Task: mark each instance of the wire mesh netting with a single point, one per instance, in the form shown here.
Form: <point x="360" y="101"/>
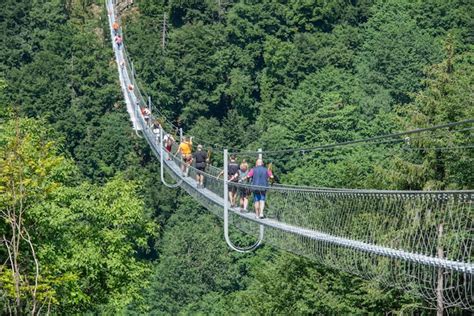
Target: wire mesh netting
<point x="414" y="240"/>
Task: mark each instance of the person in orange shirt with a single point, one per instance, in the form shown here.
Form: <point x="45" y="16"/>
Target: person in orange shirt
<point x="116" y="27"/>
<point x="185" y="149"/>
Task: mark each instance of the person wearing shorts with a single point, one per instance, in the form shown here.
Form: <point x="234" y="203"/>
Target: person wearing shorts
<point x="156" y="131"/>
<point x="260" y="175"/>
<point x="185" y="149"/>
<point x="259" y="196"/>
<point x="243" y="191"/>
<point x="168" y="140"/>
<point x="201" y="159"/>
<point x="232" y="176"/>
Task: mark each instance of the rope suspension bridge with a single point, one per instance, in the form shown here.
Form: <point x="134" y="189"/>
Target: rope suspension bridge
<point x="418" y="241"/>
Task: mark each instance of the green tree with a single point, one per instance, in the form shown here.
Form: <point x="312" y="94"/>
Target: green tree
<point x="68" y="247"/>
<point x="445" y="99"/>
<point x="395" y="51"/>
<point x="194" y="261"/>
<point x="30" y="172"/>
<point x="436" y="160"/>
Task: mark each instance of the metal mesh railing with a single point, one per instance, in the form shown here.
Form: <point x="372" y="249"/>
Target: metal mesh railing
<point x="418" y="241"/>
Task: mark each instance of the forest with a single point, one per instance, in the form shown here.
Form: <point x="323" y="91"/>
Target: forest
<point x="87" y="226"/>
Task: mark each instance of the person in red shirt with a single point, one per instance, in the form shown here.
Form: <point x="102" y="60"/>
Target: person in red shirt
<point x="168" y="140"/>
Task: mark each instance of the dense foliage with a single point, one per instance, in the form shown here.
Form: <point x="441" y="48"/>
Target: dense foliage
<point x="82" y="206"/>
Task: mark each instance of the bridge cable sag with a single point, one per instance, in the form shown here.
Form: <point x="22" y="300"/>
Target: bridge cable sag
<point x="418" y="241"/>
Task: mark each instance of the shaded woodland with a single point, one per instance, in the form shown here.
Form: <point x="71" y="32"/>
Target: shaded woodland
<point x="87" y="226"/>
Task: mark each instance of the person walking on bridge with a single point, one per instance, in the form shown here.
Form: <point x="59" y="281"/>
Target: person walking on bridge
<point x="244" y="191"/>
<point x="115" y="27"/>
<point x="260" y="175"/>
<point x="146" y="114"/>
<point x="118" y="41"/>
<point x="232" y="176"/>
<point x="168" y="141"/>
<point x="201" y="160"/>
<point x="185" y="149"/>
<point x="156" y="130"/>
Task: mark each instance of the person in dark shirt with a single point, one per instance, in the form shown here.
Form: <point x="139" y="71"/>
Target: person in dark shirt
<point x="201" y="160"/>
<point x="232" y="176"/>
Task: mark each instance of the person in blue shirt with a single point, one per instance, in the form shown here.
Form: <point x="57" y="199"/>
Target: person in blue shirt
<point x="260" y="175"/>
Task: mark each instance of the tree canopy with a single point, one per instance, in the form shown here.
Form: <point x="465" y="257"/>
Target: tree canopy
<point x="88" y="228"/>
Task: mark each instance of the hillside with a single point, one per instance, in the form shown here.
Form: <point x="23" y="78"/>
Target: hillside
<point x="87" y="226"/>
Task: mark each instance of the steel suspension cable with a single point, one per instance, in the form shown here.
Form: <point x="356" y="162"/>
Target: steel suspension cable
<point x="390" y="236"/>
<point x="365" y="140"/>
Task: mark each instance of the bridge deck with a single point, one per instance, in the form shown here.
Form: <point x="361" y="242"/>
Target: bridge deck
<point x="133" y="101"/>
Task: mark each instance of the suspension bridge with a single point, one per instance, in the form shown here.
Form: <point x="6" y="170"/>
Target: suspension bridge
<point x="418" y="241"/>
